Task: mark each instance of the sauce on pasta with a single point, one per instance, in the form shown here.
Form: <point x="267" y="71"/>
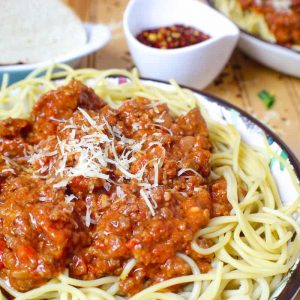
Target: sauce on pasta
<point x="100" y="190"/>
<point x="284" y="23"/>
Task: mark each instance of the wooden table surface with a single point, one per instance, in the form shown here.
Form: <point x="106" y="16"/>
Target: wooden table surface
<point x="239" y="83"/>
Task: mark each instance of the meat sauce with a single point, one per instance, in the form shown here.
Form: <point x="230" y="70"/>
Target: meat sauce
<point x="284" y="24"/>
<point x="52" y="217"/>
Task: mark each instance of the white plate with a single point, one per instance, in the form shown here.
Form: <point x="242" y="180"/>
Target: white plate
<point x="97" y="37"/>
<point x="274" y="56"/>
<point x="253" y="133"/>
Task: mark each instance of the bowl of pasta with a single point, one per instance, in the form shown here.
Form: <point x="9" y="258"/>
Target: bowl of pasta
<point x="119" y="187"/>
<point x="269" y="31"/>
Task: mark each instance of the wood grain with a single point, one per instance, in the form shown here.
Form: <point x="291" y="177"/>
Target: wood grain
<point x="239" y="83"/>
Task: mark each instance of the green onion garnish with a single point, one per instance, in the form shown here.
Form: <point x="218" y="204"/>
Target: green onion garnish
<point x="267" y="98"/>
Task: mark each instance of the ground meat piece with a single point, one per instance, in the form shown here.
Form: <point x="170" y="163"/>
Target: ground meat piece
<point x="60" y="105"/>
<point x="14" y="128"/>
<point x="220" y="205"/>
<point x="38" y="228"/>
<point x="12" y="135"/>
<point x="193" y="123"/>
<point x="13" y="148"/>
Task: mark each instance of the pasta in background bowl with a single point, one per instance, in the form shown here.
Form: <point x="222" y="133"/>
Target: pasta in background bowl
<point x="258" y="41"/>
<point x="255" y="248"/>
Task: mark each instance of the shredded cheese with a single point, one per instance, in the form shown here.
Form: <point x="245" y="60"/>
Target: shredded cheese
<point x="61" y="184"/>
<point x="69" y="198"/>
<point x="163" y="127"/>
<point x="183" y="170"/>
<point x="89" y="146"/>
<point x="147" y="201"/>
<point x="120" y="192"/>
<point x="88" y="216"/>
<point x="8" y="171"/>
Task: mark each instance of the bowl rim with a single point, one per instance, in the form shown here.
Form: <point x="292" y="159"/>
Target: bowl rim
<point x="129" y="35"/>
<point x="292" y="286"/>
<point x="247" y="33"/>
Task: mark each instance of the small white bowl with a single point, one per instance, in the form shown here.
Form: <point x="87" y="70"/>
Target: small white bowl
<point x="97" y="37"/>
<point x="272" y="55"/>
<point x="197" y="65"/>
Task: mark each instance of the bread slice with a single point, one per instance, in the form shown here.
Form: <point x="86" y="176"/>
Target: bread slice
<point x="37" y="30"/>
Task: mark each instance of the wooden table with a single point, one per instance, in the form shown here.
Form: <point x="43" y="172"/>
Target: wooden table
<point x="239" y="83"/>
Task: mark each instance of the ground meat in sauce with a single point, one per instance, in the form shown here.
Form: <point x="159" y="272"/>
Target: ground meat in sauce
<point x="93" y="226"/>
<point x="284" y="24"/>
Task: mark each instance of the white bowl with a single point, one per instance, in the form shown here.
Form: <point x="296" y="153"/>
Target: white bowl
<point x="274" y="56"/>
<point x="197" y="65"/>
<point x="97" y="37"/>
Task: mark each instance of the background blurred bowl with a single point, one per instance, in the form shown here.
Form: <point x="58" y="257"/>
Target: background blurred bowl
<point x="277" y="57"/>
<point x="197" y="65"/>
<point x="274" y="56"/>
<point x="97" y="37"/>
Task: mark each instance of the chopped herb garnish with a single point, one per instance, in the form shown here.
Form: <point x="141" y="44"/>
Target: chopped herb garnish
<point x="267" y="98"/>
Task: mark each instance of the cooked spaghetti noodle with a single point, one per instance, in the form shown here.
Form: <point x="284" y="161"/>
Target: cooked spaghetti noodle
<point x="274" y="21"/>
<point x="253" y="247"/>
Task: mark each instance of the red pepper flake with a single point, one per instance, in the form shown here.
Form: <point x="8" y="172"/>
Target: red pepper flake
<point x="171" y="37"/>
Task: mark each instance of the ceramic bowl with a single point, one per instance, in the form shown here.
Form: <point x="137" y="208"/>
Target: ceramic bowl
<point x="97" y="37"/>
<point x="197" y="65"/>
<point x="274" y="56"/>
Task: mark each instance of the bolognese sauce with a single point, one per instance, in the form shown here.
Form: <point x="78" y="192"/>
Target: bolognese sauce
<point x="283" y="22"/>
<point x="87" y="187"/>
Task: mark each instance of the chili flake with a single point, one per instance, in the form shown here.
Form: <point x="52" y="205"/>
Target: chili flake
<point x="171" y="37"/>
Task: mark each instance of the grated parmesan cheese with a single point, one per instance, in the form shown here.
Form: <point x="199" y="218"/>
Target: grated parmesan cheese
<point x="60" y="184"/>
<point x="147" y="201"/>
<point x="107" y="186"/>
<point x="43" y="199"/>
<point x="136" y="126"/>
<point x="8" y="171"/>
<point x="88" y="216"/>
<point x="164" y="127"/>
<point x="69" y="198"/>
<point x="90" y="150"/>
<point x="183" y="170"/>
<point x="120" y="192"/>
<point x="115" y="224"/>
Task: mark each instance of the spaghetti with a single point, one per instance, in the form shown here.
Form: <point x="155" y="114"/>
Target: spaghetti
<point x="273" y="21"/>
<point x="253" y="247"/>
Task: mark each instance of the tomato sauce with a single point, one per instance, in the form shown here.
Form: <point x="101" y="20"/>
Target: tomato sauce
<point x="284" y="24"/>
<point x="52" y="219"/>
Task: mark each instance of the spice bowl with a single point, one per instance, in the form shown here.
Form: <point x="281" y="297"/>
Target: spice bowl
<point x="196" y="65"/>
